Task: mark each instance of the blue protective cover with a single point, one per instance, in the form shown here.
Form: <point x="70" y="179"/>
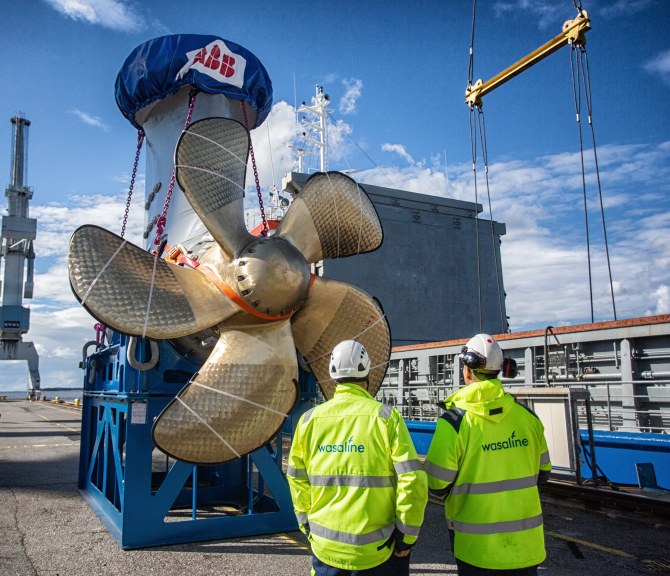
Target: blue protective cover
<point x="161" y="66"/>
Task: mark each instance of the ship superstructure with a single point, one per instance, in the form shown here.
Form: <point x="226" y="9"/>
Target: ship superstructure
<point x="425" y="273"/>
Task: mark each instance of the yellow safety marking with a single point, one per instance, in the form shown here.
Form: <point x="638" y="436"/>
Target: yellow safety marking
<point x="64" y="407"/>
<point x="300" y="543"/>
<point x="656" y="565"/>
<point x="59" y="424"/>
<point x="592" y="545"/>
<point x="17" y="447"/>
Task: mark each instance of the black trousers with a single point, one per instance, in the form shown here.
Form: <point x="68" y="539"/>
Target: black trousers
<point x="394" y="566"/>
<point x="465" y="569"/>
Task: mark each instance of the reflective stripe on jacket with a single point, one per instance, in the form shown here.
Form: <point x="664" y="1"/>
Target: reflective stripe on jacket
<point x="487" y="452"/>
<point x="355" y="477"/>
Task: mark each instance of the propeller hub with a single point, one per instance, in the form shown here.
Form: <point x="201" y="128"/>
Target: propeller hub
<point x="272" y="276"/>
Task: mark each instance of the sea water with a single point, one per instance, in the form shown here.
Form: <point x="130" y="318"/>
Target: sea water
<point x="65" y="394"/>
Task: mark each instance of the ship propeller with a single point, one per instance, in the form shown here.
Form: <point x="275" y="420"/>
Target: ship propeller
<point x="257" y="293"/>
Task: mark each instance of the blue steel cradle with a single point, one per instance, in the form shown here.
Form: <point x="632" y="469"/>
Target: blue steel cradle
<point x="145" y="498"/>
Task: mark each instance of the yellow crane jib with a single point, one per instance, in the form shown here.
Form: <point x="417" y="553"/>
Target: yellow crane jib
<point x="573" y="33"/>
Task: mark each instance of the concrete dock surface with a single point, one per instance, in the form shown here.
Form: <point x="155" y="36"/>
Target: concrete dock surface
<point x="47" y="529"/>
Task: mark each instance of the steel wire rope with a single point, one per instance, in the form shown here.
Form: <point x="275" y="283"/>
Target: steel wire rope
<point x="471" y="65"/>
<point x="586" y="75"/>
<point x="360" y="197"/>
<point x="485" y="159"/>
<point x="382" y="316"/>
<point x="473" y="150"/>
<point x="272" y="162"/>
<point x="577" y="95"/>
<point x="337" y="214"/>
<point x="272" y="168"/>
<point x="473" y="147"/>
<point x="374" y="164"/>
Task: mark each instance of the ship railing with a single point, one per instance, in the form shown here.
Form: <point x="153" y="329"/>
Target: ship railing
<point x="254" y="218"/>
<point x="647" y="409"/>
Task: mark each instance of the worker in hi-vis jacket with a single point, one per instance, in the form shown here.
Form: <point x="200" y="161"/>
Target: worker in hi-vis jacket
<point x="486" y="459"/>
<point x="358" y="488"/>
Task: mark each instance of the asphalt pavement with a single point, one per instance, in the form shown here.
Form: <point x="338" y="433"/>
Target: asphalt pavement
<point x="47" y="529"/>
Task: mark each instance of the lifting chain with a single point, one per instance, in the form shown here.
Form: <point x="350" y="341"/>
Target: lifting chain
<point x="264" y="233"/>
<point x="140" y="139"/>
<point x="162" y="219"/>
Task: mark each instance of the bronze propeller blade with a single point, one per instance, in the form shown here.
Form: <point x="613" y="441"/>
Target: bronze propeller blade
<point x="253" y="293"/>
<point x="331" y="217"/>
<point x="336" y="311"/>
<point x="238" y="400"/>
<point x="210" y="166"/>
<point x="136" y="293"/>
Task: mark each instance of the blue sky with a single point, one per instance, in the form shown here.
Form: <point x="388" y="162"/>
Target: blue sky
<point x="396" y="73"/>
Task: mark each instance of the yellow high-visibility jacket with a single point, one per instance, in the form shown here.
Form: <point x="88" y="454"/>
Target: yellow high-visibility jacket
<point x="355" y="478"/>
<point x="486" y="454"/>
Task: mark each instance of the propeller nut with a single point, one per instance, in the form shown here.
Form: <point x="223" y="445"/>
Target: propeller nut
<point x="272" y="276"/>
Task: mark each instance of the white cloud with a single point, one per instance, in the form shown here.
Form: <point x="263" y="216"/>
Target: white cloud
<point x="548" y="13"/>
<point x="59" y="336"/>
<point x="353" y="91"/>
<point x="89" y="119"/>
<point x="660" y="66"/>
<point x="398" y="149"/>
<point x="545" y="269"/>
<point x="57" y="222"/>
<point x="540" y="200"/>
<point x="662" y="297"/>
<point x="59" y="326"/>
<point x="551" y="13"/>
<point x="621" y="8"/>
<point x="272" y="143"/>
<point x="113" y="14"/>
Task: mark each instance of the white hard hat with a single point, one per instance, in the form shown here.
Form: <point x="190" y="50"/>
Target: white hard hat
<point x="349" y="360"/>
<point x="482" y="353"/>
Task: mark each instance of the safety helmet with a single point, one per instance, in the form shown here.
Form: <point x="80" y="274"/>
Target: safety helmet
<point x="349" y="360"/>
<point x="482" y="353"/>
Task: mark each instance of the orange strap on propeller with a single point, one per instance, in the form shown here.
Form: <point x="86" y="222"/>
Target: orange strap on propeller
<point x="237" y="299"/>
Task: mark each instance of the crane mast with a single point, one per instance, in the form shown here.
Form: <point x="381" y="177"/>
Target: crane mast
<point x="17" y="257"/>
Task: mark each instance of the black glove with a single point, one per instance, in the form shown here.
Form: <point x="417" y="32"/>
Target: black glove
<point x="396" y="538"/>
<point x="400" y="545"/>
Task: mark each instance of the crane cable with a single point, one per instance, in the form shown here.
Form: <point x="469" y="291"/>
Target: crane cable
<point x="477" y="127"/>
<point x="485" y="159"/>
<point x="581" y="77"/>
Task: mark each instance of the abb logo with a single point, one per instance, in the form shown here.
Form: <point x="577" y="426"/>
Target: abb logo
<point x="218" y="62"/>
<point x="215" y="60"/>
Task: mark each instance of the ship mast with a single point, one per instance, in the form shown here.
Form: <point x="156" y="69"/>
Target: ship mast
<point x="18" y="234"/>
<point x="317" y="120"/>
